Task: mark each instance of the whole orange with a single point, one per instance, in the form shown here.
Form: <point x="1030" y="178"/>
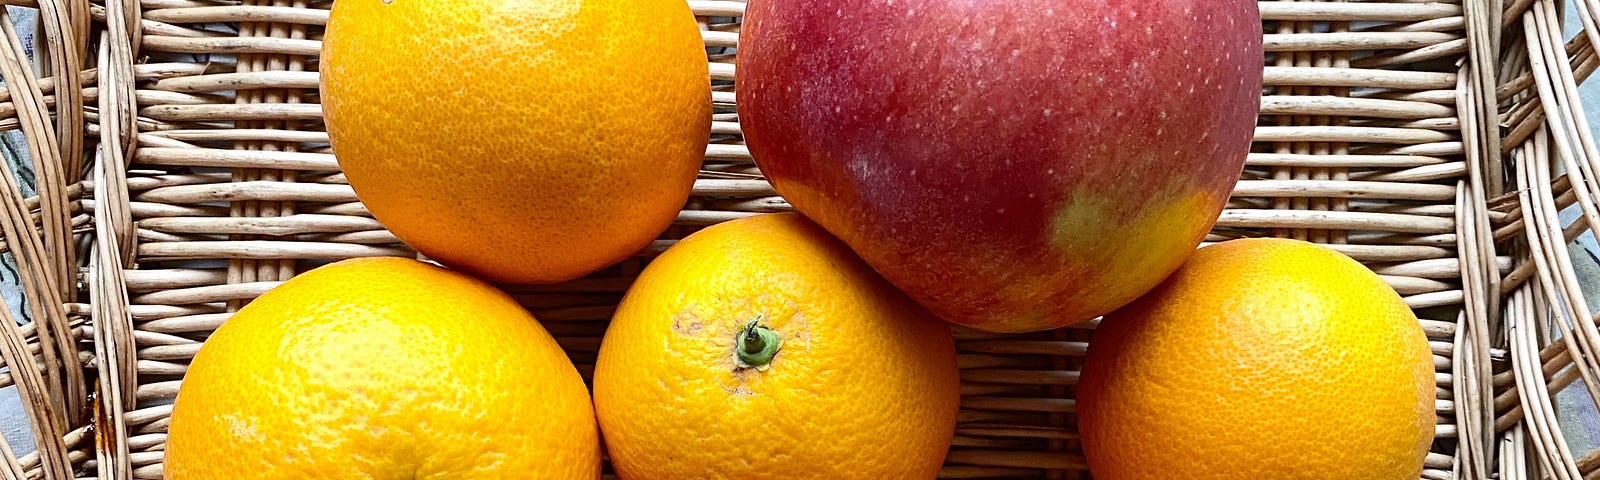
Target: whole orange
<point x="525" y="141"/>
<point x="862" y="383"/>
<point x="1260" y="358"/>
<point x="382" y="369"/>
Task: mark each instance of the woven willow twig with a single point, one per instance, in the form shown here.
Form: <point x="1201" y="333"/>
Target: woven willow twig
<point x="1476" y="102"/>
<point x="42" y="352"/>
<point x="1380" y="136"/>
<point x="114" y="345"/>
<point x="1551" y="329"/>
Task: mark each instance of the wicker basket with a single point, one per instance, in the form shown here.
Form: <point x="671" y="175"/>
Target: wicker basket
<point x="182" y="170"/>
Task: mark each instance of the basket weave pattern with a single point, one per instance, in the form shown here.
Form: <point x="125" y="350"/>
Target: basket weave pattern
<point x="183" y="170"/>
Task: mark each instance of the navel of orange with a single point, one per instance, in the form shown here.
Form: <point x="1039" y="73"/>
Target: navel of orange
<point x="764" y="348"/>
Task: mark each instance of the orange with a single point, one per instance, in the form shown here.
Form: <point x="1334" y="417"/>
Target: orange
<point x="1261" y="358"/>
<point x="525" y="141"/>
<point x="382" y="369"/>
<point x="863" y="383"/>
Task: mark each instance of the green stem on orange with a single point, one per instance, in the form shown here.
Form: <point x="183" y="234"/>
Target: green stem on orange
<point x="755" y="345"/>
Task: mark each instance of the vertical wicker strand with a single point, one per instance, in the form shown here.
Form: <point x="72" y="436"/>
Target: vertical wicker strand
<point x="131" y="15"/>
<point x="1302" y="59"/>
<point x="266" y="270"/>
<point x="1474" y="250"/>
<point x="1471" y="455"/>
<point x="1587" y="9"/>
<point x="125" y="49"/>
<point x="118" y="123"/>
<point x="1513" y="451"/>
<point x="1535" y="399"/>
<point x="1554" y="264"/>
<point x="1565" y="87"/>
<point x="1476" y="105"/>
<point x="17" y="228"/>
<point x="286" y="267"/>
<point x="1483" y="44"/>
<point x="12" y="466"/>
<point x="1545" y="56"/>
<point x="1283" y="59"/>
<point x="1060" y="420"/>
<point x="280" y="269"/>
<point x="44" y="421"/>
<point x="1341" y="60"/>
<point x="1321" y="59"/>
<point x="1542" y="30"/>
<point x="115" y="359"/>
<point x="55" y="162"/>
<point x="43" y="393"/>
<point x="78" y="19"/>
<point x="66" y="60"/>
<point x="116" y="362"/>
<point x="245" y="270"/>
<point x="1555" y="274"/>
<point x="113" y="336"/>
<point x="45" y="296"/>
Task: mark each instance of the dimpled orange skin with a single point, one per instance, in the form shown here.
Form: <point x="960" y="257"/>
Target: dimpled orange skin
<point x="525" y="141"/>
<point x="865" y="385"/>
<point x="382" y="369"/>
<point x="1260" y="358"/>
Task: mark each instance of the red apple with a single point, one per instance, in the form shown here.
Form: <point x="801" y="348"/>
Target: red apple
<point x="1012" y="165"/>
